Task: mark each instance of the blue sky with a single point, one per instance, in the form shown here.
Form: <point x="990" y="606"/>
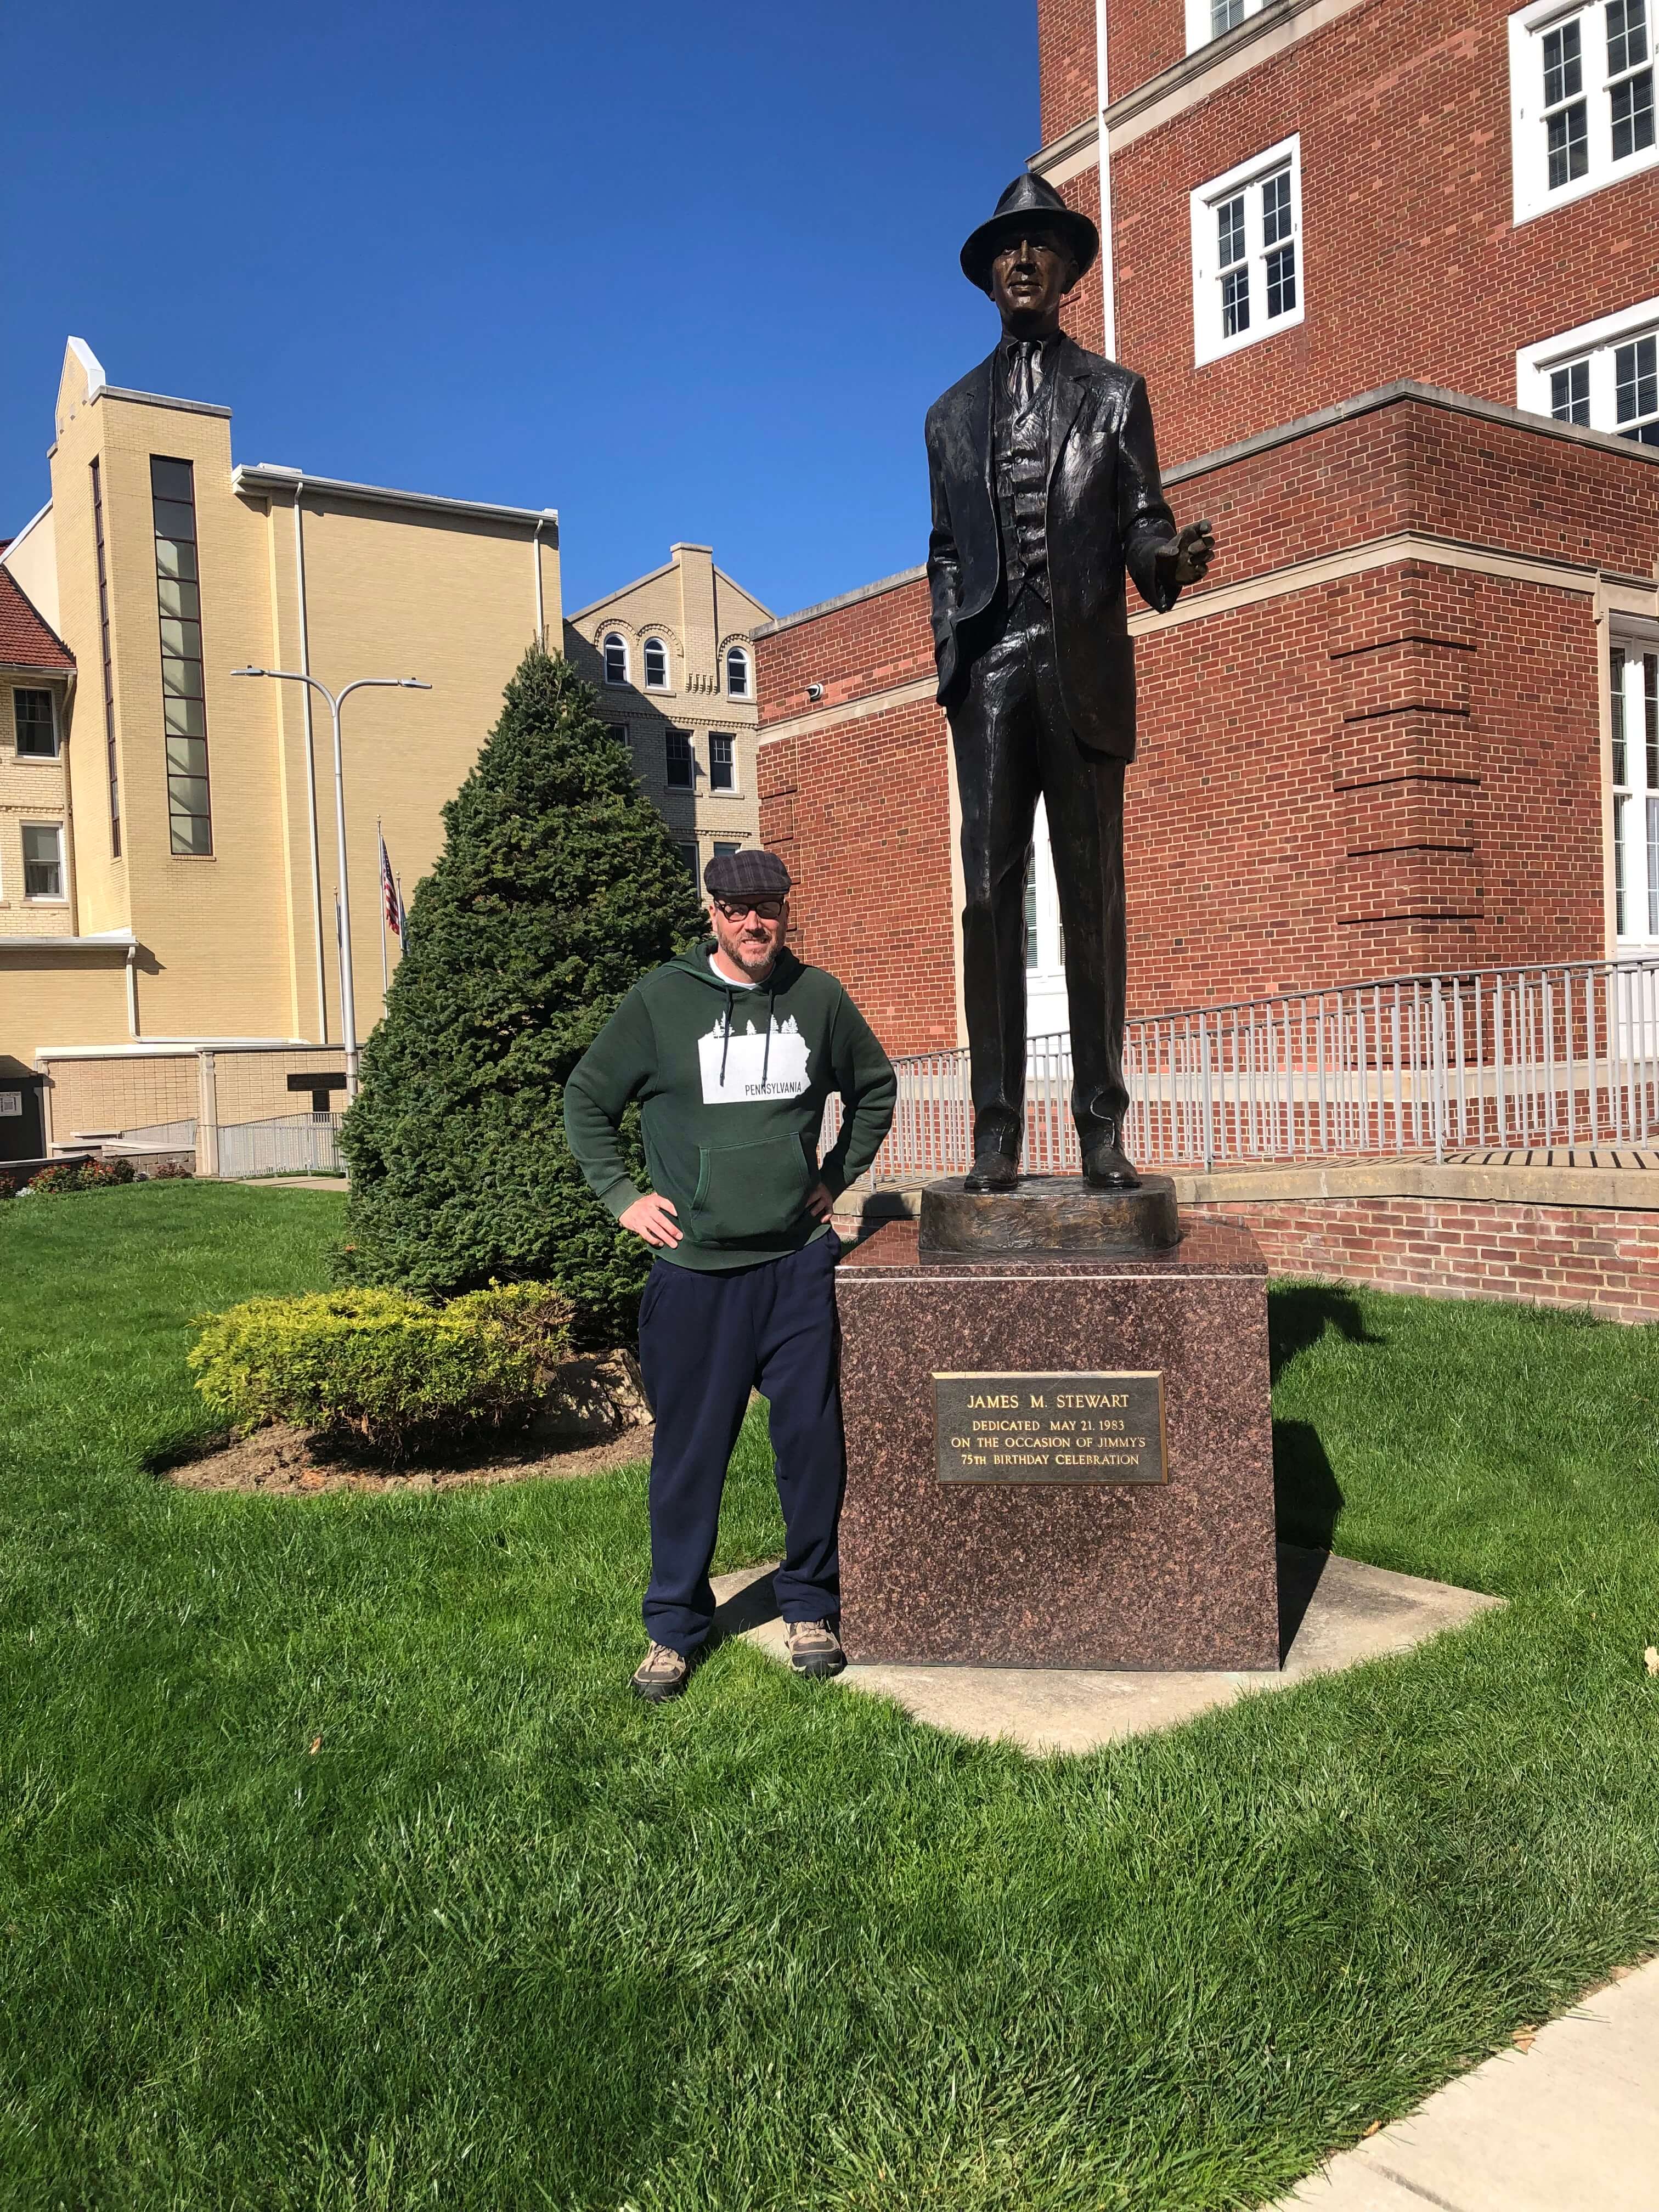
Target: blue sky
<point x="680" y="273"/>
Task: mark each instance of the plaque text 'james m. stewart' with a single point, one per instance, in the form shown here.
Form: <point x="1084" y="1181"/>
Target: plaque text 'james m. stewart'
<point x="1049" y="1428"/>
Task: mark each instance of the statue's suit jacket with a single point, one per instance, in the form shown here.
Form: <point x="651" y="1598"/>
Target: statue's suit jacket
<point x="1106" y="516"/>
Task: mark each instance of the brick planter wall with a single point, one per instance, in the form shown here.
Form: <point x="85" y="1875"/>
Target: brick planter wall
<point x="1600" y="1257"/>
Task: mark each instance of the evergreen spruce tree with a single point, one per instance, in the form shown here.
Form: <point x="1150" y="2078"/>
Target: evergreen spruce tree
<point x="556" y="889"/>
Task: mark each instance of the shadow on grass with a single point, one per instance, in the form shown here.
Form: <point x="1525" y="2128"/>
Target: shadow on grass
<point x="1298" y="1314"/>
<point x="1307" y="1498"/>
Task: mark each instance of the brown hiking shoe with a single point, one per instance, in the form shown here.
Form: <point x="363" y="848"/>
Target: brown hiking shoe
<point x="814" y="1648"/>
<point x="661" y="1675"/>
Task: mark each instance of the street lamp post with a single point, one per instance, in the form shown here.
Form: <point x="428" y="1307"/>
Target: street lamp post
<point x="335" y="701"/>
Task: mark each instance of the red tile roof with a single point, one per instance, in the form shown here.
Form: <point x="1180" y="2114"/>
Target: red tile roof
<point x="25" y="640"/>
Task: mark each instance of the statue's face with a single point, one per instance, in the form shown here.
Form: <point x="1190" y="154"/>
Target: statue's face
<point x="1029" y="278"/>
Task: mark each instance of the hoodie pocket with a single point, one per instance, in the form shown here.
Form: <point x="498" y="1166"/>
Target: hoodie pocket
<point x="749" y="1194"/>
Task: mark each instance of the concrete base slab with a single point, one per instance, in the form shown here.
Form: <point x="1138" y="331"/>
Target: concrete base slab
<point x="1571" y="2126"/>
<point x="1333" y="1612"/>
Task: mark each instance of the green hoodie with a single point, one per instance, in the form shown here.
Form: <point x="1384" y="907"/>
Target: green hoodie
<point x="732" y="1083"/>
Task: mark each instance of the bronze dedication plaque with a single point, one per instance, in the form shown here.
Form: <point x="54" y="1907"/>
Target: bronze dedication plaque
<point x="1049" y="1428"/>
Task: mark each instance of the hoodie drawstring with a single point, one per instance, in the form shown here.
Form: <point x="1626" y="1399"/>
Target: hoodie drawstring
<point x="726" y="1042"/>
<point x="771" y="1016"/>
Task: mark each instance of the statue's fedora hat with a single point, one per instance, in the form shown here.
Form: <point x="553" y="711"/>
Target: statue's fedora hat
<point x="1028" y="203"/>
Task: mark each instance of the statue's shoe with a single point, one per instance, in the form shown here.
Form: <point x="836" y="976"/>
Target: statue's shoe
<point x="992" y="1172"/>
<point x="1108" y="1168"/>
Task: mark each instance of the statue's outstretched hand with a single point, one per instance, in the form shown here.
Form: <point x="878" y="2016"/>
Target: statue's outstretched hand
<point x="1195" y="549"/>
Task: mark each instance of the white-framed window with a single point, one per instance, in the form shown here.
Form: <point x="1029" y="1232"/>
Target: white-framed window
<point x="615" y="649"/>
<point x="1580" y="99"/>
<point x="680" y="762"/>
<point x="1246" y="253"/>
<point x="737" y="672"/>
<point x="722" y="761"/>
<point x="35" y="724"/>
<point x="687" y="853"/>
<point x="1213" y="19"/>
<point x="1633" y="680"/>
<point x="43" y="860"/>
<point x="656" y="665"/>
<point x="1605" y="374"/>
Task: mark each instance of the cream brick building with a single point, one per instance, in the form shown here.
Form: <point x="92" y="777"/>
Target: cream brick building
<point x="671" y="657"/>
<point x="177" y="888"/>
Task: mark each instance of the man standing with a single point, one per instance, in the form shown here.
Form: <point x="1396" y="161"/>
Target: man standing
<point x="732" y="1050"/>
<point x="1045" y="490"/>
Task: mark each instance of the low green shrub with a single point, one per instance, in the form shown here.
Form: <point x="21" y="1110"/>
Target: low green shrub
<point x="390" y="1372"/>
<point x="82" y="1175"/>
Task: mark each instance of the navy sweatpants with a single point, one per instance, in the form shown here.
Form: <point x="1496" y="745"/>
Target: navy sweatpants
<point x="705" y="1341"/>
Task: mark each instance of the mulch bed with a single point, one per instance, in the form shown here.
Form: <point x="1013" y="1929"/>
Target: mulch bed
<point x="281" y="1461"/>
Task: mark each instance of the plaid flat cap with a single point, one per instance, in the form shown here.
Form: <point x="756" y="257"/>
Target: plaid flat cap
<point x="749" y="872"/>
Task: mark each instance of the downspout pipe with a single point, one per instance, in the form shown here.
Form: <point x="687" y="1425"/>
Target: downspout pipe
<point x="311" y="770"/>
<point x="132" y="990"/>
<point x="1108" y="300"/>
<point x="541" y="608"/>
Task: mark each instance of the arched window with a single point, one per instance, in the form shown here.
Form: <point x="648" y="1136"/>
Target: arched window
<point x="737" y="672"/>
<point x="615" y="658"/>
<point x="656" y="665"/>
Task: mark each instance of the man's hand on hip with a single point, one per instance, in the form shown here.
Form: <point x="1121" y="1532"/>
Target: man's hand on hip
<point x="820" y="1203"/>
<point x="653" y="1219"/>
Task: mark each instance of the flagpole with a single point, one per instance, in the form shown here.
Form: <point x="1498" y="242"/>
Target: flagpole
<point x="380" y="870"/>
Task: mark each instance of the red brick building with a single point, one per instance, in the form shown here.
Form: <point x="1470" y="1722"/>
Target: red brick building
<point x="1392" y="276"/>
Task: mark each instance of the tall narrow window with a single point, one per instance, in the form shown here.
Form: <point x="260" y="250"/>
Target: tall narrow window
<point x="1233" y="267"/>
<point x="1630" y="78"/>
<point x="113" y="778"/>
<point x="688" y="853"/>
<point x="43" y="860"/>
<point x="616" y="659"/>
<point x="1279" y="244"/>
<point x="1567" y="117"/>
<point x="656" y="665"/>
<point x="1634" y="675"/>
<point x="1621" y="795"/>
<point x="32" y="721"/>
<point x="737" y="672"/>
<point x="1636" y="389"/>
<point x="184" y="705"/>
<point x="722" y="761"/>
<point x="678" y="759"/>
<point x="1213" y="19"/>
<point x="1247" y="230"/>
<point x="1569" y="393"/>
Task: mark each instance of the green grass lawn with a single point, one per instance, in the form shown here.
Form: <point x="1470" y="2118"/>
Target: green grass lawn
<point x="507" y="1939"/>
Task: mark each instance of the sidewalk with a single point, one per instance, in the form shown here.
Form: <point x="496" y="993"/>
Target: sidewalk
<point x="1570" y="2126"/>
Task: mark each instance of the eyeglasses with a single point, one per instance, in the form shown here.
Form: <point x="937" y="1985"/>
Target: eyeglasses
<point x="766" y="909"/>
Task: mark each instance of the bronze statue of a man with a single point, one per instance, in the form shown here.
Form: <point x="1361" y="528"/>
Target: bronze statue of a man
<point x="1046" y="492"/>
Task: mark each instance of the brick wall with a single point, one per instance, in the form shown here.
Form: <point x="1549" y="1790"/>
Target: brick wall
<point x="1082" y="314"/>
<point x="1390" y="770"/>
<point x="1604" y="1257"/>
<point x="1065" y="64"/>
<point x="137" y="1090"/>
<point x="1411" y="264"/>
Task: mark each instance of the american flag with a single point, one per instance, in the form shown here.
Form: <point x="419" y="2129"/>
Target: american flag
<point x="390" y="903"/>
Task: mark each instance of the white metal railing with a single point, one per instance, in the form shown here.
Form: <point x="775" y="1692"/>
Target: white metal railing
<point x="157" y="1137"/>
<point x="288" y="1143"/>
<point x="1415" y="1066"/>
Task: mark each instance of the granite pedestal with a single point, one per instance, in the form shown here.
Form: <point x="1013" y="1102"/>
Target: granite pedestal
<point x="1017" y="1566"/>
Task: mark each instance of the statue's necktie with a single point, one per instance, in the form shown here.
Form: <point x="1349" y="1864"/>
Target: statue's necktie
<point x="1024" y="371"/>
